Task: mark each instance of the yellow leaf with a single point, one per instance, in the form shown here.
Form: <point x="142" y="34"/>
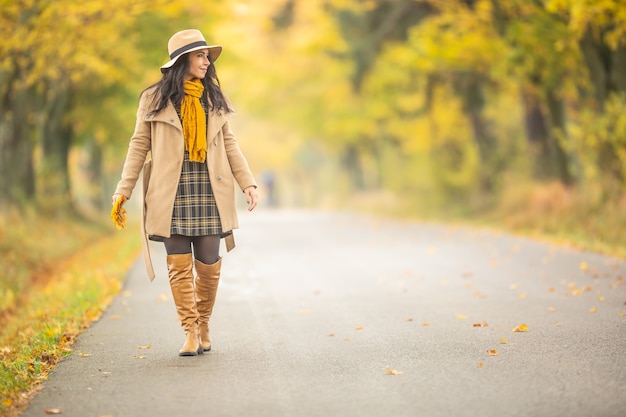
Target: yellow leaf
<point x="393" y="371"/>
<point x="522" y="295"/>
<point x="584" y="266"/>
<point x="118" y="213"/>
<point x="53" y="411"/>
<point x="331" y="334"/>
<point x="115" y="317"/>
<point x="144" y="347"/>
<point x="461" y="316"/>
<point x="622" y="314"/>
<point x="480" y="365"/>
<point x="601" y="298"/>
<point x="426" y="324"/>
<point x="84" y="355"/>
<point x="503" y="341"/>
<point x="140" y="357"/>
<point x="7" y="402"/>
<point x="358" y="328"/>
<point x="521" y="328"/>
<point x="593" y="310"/>
<point x="492" y="352"/>
<point x="514" y="286"/>
<point x="551" y="289"/>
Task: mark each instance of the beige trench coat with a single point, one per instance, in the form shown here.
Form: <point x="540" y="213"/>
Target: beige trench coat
<point x="161" y="135"/>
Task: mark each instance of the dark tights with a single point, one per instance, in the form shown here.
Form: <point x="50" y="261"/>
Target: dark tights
<point x="206" y="249"/>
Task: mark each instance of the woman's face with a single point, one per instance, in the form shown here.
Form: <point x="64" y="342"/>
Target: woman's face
<point x="198" y="64"/>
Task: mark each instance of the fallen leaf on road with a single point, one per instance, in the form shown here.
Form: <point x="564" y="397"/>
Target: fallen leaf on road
<point x="622" y="314"/>
<point x="522" y="295"/>
<point x="503" y="341"/>
<point x="53" y="411"/>
<point x="84" y="355"/>
<point x="483" y="324"/>
<point x="551" y="309"/>
<point x="514" y="287"/>
<point x="584" y="266"/>
<point x="139" y="357"/>
<point x="480" y="365"/>
<point x="393" y="371"/>
<point x="409" y="319"/>
<point x="492" y="352"/>
<point x="593" y="310"/>
<point x="115" y="317"/>
<point x="600" y="298"/>
<point x="161" y="298"/>
<point x="551" y="289"/>
<point x="426" y="324"/>
<point x="461" y="316"/>
<point x="521" y="328"/>
<point x="144" y="347"/>
<point x="331" y="334"/>
<point x="358" y="328"/>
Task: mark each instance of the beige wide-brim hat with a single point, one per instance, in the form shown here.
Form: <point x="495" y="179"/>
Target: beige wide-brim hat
<point x="187" y="41"/>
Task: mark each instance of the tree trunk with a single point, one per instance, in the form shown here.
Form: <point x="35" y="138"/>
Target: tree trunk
<point x="352" y="164"/>
<point x="557" y="119"/>
<point x="537" y="133"/>
<point x="56" y="140"/>
<point x="17" y="177"/>
<point x="469" y="87"/>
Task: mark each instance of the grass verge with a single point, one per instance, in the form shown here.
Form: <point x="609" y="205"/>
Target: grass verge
<point x="53" y="311"/>
<point x="585" y="219"/>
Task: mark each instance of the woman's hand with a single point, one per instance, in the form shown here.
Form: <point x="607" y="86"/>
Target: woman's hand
<point x="115" y="197"/>
<point x="252" y="197"/>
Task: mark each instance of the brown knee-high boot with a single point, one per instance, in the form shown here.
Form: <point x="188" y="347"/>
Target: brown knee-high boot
<point x="206" y="290"/>
<point x="180" y="272"/>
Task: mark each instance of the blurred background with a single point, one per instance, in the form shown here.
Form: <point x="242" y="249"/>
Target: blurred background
<point x="510" y="112"/>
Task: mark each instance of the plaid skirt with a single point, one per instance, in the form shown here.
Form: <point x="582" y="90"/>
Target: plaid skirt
<point x="195" y="211"/>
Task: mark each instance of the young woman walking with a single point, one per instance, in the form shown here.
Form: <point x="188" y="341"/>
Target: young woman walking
<point x="189" y="179"/>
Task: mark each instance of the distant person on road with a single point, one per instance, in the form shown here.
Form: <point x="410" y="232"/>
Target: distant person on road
<point x="189" y="180"/>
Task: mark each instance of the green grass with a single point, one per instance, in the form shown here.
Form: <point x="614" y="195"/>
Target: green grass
<point x="54" y="309"/>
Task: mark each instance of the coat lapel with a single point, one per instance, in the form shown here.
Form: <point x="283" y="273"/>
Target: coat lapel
<point x="167" y="115"/>
<point x="216" y="121"/>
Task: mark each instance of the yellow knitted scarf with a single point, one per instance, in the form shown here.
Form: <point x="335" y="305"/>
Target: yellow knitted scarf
<point x="194" y="121"/>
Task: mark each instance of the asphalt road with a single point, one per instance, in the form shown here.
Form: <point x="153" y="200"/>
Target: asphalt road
<point x="326" y="314"/>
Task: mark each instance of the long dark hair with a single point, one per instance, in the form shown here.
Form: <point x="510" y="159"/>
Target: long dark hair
<point x="171" y="87"/>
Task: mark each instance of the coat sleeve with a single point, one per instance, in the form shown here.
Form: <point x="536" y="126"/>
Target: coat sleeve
<point x="138" y="149"/>
<point x="236" y="159"/>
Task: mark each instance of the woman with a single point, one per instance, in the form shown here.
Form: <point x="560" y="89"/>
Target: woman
<point x="189" y="198"/>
